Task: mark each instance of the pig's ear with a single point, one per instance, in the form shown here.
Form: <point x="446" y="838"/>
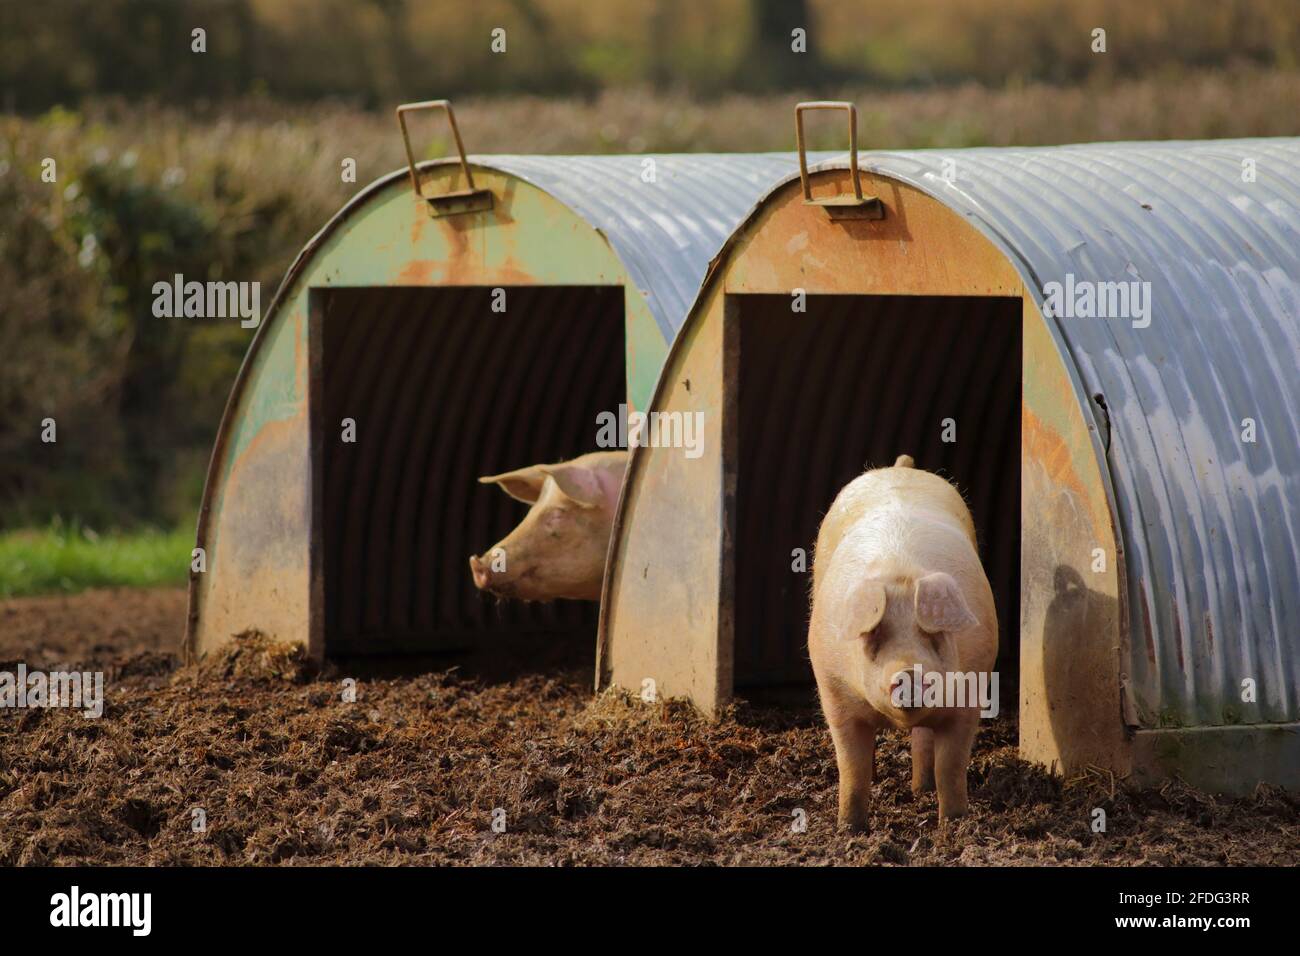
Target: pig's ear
<point x="586" y="484"/>
<point x="523" y="484"/>
<point x="940" y="605"/>
<point x="869" y="606"/>
<point x="857" y="607"/>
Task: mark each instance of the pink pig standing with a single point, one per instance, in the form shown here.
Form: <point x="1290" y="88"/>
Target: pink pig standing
<point x="897" y="582"/>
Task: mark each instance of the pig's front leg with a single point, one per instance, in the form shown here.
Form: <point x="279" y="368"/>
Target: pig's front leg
<point x="922" y="759"/>
<point x="952" y="746"/>
<point x="855" y="756"/>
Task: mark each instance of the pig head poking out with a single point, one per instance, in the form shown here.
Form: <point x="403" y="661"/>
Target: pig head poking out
<point x="897" y="582"/>
<point x="558" y="550"/>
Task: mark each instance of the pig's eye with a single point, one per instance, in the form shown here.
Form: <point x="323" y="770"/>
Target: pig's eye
<point x="873" y="638"/>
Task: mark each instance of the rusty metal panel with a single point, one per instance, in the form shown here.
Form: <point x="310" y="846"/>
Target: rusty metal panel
<point x="1211" y="523"/>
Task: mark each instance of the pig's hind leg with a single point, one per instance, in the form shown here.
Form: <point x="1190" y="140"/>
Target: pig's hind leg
<point x="922" y="759"/>
<point x="855" y="756"/>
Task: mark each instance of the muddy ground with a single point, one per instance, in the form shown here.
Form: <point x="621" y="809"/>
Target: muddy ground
<point x="288" y="772"/>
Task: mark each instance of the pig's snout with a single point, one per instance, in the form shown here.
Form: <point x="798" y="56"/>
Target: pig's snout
<point x="481" y="570"/>
<point x="904" y="690"/>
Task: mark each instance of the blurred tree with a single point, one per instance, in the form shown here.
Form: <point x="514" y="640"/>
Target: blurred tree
<point x="772" y="61"/>
<point x="375" y="52"/>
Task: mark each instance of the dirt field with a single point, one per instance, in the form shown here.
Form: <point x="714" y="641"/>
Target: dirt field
<point x="287" y="772"/>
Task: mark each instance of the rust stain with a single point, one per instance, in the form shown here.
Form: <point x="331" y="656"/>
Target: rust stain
<point x="1043" y="444"/>
<point x="1146" y="624"/>
<point x="416" y="272"/>
<point x="510" y="272"/>
<point x="418" y="222"/>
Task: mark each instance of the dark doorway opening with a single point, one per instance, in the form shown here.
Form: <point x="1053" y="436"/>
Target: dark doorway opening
<point x="851" y="384"/>
<point x="443" y="389"/>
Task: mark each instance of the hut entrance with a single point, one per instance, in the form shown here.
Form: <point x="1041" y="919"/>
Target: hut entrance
<point x="442" y="388"/>
<point x="853" y="383"/>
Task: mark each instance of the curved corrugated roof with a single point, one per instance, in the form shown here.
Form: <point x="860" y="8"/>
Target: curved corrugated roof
<point x="667" y="229"/>
<point x="1210" y="523"/>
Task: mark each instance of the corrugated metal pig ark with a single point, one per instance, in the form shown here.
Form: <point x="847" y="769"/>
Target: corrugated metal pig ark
<point x="387" y="318"/>
<point x="1134" y="477"/>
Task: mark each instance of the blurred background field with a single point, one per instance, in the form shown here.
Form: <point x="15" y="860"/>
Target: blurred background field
<point x="221" y="165"/>
<point x="375" y="52"/>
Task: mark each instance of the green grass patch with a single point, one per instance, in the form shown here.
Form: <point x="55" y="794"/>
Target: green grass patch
<point x="67" y="559"/>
